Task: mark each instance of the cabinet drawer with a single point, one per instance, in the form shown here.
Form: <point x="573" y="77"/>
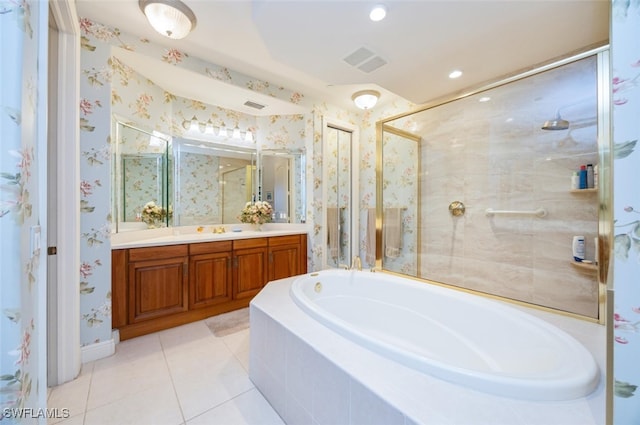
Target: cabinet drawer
<point x="284" y="240"/>
<point x="250" y="243"/>
<point x="210" y="247"/>
<point x="158" y="252"/>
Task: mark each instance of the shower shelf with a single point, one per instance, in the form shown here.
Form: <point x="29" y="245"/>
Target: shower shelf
<point x="592" y="190"/>
<point x="590" y="267"/>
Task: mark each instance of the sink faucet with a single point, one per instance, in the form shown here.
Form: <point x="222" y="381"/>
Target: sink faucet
<point x="356" y="263"/>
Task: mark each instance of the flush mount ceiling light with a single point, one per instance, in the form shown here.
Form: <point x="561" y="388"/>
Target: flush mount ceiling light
<point x="171" y="18"/>
<point x="365" y="99"/>
<point x="378" y="13"/>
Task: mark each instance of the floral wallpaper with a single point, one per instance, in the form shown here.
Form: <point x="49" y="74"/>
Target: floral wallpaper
<point x="22" y="157"/>
<point x="625" y="56"/>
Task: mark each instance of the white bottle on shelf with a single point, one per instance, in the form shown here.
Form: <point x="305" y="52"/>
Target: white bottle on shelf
<point x="578" y="248"/>
<point x="575" y="181"/>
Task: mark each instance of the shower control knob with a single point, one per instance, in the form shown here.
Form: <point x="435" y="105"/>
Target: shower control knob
<point x="456" y="208"/>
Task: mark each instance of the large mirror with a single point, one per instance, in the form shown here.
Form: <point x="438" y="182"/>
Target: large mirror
<point x="212" y="182"/>
<point x="195" y="182"/>
<point x="140" y="176"/>
<point x="282" y="183"/>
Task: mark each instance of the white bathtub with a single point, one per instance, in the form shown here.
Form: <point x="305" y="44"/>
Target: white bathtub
<point x="458" y="337"/>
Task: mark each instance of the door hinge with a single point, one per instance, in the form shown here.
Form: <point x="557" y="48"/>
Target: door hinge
<point x="52" y="250"/>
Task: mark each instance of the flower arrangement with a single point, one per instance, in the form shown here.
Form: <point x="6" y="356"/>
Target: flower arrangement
<point x="258" y="213"/>
<point x="153" y="214"/>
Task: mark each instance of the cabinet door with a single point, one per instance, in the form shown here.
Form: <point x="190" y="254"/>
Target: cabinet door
<point x="284" y="261"/>
<point x="157" y="288"/>
<point x="251" y="269"/>
<point x="209" y="279"/>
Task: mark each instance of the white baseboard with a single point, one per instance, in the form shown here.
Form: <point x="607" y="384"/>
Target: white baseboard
<point x="97" y="351"/>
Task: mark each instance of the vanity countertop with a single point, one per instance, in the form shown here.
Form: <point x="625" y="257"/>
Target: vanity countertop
<point x="190" y="234"/>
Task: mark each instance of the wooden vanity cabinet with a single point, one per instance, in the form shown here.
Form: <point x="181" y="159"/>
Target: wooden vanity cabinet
<point x="155" y="288"/>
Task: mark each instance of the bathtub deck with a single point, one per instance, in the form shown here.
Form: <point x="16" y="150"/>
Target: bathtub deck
<point x="310" y="374"/>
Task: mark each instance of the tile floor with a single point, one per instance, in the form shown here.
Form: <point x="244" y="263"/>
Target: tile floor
<point x="183" y="375"/>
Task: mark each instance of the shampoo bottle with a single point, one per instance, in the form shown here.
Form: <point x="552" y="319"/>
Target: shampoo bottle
<point x="589" y="176"/>
<point x="578" y="248"/>
<point x="583" y="177"/>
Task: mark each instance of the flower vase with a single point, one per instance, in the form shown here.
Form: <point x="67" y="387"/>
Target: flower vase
<point x="154" y="224"/>
<point x="257" y="227"/>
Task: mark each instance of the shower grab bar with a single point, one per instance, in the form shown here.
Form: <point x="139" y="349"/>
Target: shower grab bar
<point x="540" y="212"/>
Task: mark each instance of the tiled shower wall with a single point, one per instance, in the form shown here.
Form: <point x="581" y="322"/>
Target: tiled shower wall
<point x="494" y="154"/>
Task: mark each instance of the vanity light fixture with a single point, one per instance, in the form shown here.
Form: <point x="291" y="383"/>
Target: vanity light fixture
<point x="197" y="128"/>
<point x="208" y="129"/>
<point x="195" y="125"/>
<point x="365" y="99"/>
<point x="171" y="18"/>
<point x="378" y="13"/>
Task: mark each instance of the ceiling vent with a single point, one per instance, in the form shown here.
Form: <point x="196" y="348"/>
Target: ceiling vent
<point x="254" y="105"/>
<point x="365" y="60"/>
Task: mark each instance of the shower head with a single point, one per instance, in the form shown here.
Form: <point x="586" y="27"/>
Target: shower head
<point x="556" y="124"/>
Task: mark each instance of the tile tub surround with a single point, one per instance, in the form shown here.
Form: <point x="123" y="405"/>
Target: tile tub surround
<point x="309" y="374"/>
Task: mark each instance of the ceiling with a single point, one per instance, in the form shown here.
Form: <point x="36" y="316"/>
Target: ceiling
<point x="301" y="44"/>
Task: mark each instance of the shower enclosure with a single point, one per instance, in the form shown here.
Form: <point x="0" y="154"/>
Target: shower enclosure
<point x="476" y="194"/>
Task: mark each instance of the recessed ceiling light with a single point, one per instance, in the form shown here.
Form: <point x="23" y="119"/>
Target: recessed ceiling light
<point x="455" y="74"/>
<point x="484" y="99"/>
<point x="378" y="13"/>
